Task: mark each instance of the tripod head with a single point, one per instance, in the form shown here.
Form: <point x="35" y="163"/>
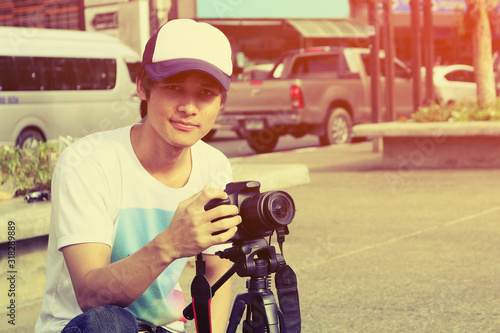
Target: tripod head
<point x="246" y="254"/>
<point x="251" y="258"/>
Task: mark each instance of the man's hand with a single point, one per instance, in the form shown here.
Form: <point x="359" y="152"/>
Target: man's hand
<point x="191" y="229"/>
<point x="97" y="282"/>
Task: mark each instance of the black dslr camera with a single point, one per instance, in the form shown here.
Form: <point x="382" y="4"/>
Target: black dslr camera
<point x="253" y="257"/>
<point x="261" y="213"/>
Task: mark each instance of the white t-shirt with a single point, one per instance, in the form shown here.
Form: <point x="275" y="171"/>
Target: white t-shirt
<point x="101" y="193"/>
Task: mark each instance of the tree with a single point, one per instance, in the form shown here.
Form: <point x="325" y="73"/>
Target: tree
<point x="478" y="23"/>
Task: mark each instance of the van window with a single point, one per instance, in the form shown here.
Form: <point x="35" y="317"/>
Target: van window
<point x="43" y="73"/>
<point x="103" y="73"/>
<point x="62" y="74"/>
<point x="8" y="80"/>
<point x="27" y="79"/>
<point x="94" y="74"/>
<point x="133" y="68"/>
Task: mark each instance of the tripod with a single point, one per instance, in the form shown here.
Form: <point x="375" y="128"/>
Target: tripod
<point x="255" y="259"/>
<point x="263" y="314"/>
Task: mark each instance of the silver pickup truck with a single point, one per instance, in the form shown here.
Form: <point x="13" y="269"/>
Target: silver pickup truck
<point x="322" y="91"/>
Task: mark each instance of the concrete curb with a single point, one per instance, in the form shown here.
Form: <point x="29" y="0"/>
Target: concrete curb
<point x="437" y="145"/>
<point x="431" y="129"/>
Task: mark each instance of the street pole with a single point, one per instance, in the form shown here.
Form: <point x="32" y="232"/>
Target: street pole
<point x="428" y="30"/>
<point x="81" y="15"/>
<point x="389" y="60"/>
<point x="374" y="66"/>
<point x="153" y="17"/>
<point x="415" y="47"/>
<point x="173" y="13"/>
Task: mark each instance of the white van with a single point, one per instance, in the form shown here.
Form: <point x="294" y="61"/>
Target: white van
<point x="64" y="83"/>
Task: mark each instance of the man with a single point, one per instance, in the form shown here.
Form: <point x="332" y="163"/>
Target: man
<point x="128" y="205"/>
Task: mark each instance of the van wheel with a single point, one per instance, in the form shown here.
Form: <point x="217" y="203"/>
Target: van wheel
<point x="338" y="128"/>
<point x="29" y="138"/>
<point x="263" y="141"/>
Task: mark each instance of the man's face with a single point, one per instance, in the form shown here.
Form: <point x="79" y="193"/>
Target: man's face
<point x="182" y="109"/>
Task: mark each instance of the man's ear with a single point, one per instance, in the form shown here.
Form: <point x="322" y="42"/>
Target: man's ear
<point x="141" y="92"/>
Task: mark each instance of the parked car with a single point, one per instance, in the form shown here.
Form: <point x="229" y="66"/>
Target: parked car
<point x="322" y="91"/>
<point x="455" y="84"/>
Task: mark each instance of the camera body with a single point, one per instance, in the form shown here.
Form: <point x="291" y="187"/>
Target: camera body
<point x="261" y="213"/>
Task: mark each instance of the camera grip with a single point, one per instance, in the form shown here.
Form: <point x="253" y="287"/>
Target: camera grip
<point x="217" y="202"/>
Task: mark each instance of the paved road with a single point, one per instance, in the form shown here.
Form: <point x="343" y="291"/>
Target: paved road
<point x="385" y="251"/>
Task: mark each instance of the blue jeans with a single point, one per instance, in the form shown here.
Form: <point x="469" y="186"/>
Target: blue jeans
<point x="103" y="319"/>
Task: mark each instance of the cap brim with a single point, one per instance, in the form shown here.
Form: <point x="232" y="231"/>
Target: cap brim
<point x="164" y="69"/>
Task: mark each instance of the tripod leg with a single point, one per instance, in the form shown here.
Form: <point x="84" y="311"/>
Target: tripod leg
<point x="256" y="320"/>
<point x="236" y="314"/>
<point x="271" y="313"/>
<point x="262" y="313"/>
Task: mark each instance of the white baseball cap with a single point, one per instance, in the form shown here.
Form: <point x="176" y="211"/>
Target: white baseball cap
<point x="183" y="44"/>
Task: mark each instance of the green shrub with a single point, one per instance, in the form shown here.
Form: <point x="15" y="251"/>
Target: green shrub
<point x="30" y="168"/>
<point x="456" y="112"/>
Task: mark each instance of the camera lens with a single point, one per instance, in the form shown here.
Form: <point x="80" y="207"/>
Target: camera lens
<point x="279" y="208"/>
<point x="266" y="212"/>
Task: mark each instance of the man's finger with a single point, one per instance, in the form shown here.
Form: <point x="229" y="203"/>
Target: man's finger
<point x="224" y="236"/>
<point x="222" y="211"/>
<point x="208" y="194"/>
<point x="225" y="223"/>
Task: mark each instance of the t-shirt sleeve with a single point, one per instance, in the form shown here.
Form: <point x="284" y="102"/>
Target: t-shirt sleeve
<point x="80" y="194"/>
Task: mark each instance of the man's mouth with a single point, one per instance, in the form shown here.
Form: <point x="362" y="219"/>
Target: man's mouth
<point x="184" y="125"/>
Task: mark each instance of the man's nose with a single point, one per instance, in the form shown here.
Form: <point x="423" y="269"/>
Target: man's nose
<point x="188" y="106"/>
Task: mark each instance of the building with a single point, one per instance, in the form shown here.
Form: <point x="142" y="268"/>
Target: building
<point x="258" y="29"/>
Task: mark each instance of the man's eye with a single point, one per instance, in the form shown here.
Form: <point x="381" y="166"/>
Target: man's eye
<point x="208" y="92"/>
<point x="173" y="87"/>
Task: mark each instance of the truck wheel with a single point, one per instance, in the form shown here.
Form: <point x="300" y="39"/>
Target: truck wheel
<point x="29" y="138"/>
<point x="263" y="141"/>
<point x="338" y="128"/>
<point x="239" y="133"/>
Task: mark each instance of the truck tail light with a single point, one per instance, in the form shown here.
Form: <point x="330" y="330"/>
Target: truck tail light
<point x="296" y="97"/>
